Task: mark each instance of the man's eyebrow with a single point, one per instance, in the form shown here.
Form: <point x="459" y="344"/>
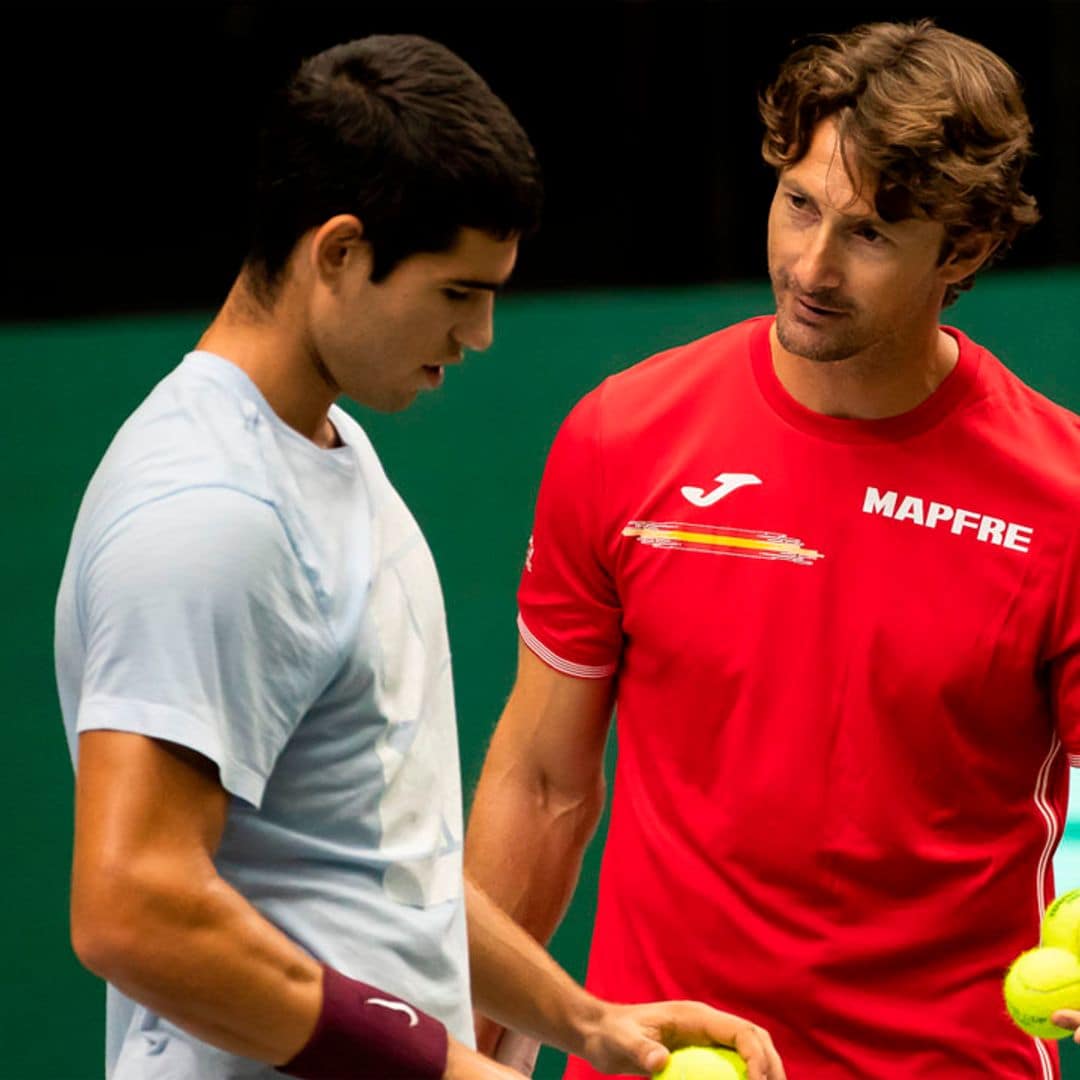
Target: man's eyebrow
<point x="795" y="186"/>
<point x="854" y="221"/>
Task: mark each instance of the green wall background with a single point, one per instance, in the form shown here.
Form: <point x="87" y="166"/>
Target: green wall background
<point x="468" y="461"/>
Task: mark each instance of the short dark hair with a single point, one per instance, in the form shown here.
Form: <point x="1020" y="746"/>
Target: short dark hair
<point x="401" y="132"/>
<point x="938" y="117"/>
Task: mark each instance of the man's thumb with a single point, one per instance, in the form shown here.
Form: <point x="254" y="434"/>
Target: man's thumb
<point x="653" y="1056"/>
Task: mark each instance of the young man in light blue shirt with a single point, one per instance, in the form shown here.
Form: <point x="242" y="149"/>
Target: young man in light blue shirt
<point x="251" y="646"/>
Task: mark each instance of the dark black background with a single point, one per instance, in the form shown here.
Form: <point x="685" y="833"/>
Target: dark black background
<point x="130" y="130"/>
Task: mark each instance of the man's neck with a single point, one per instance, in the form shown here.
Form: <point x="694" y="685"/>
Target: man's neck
<point x="270" y="347"/>
<point x="872" y="385"/>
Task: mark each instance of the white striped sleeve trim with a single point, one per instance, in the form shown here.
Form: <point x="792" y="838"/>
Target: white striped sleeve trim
<point x="580" y="671"/>
<point x="1074" y="760"/>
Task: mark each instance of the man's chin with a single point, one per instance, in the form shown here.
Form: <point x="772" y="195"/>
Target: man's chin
<point x="809" y="344"/>
<point x="384" y="402"/>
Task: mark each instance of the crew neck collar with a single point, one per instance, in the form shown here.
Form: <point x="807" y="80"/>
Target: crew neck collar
<point x="953" y="388"/>
<point x="232" y="375"/>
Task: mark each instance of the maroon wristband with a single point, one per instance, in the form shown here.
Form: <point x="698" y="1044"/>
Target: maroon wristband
<point x="364" y="1033"/>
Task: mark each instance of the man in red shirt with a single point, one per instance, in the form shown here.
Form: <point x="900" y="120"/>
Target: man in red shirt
<point x="824" y="564"/>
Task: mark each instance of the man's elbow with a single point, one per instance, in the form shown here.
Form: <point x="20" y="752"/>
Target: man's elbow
<point x="116" y="916"/>
<point x="102" y="935"/>
<point x="99" y="951"/>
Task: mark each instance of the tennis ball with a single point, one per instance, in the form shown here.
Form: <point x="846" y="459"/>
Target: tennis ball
<point x="703" y="1063"/>
<point x="1061" y="923"/>
<point x="1040" y="982"/>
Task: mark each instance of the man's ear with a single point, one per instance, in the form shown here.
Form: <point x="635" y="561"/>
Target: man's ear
<point x="965" y="255"/>
<point x="337" y="246"/>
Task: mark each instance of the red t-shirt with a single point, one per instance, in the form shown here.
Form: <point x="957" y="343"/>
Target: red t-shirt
<point x="848" y="690"/>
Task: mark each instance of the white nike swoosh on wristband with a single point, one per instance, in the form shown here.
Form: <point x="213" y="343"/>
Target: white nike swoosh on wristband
<point x="397" y="1006"/>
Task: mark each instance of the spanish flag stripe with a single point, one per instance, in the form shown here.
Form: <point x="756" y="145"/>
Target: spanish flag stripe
<point x="713" y="540"/>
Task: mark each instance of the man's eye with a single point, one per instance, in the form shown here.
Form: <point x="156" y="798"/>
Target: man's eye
<point x="797" y="202"/>
<point x="455" y="294"/>
<point x="870" y="235"/>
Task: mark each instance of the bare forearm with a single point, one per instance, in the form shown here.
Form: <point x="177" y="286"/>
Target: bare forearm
<point x="524" y="848"/>
<point x="517" y="982"/>
<point x="525" y="844"/>
<point x="203" y="957"/>
<point x="538" y="801"/>
<point x="150" y="913"/>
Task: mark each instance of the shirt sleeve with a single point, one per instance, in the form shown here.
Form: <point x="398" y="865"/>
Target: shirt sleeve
<point x="200" y="628"/>
<point x="1064" y="664"/>
<point x="569" y="611"/>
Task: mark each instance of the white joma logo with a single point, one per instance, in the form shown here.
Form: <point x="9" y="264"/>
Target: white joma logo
<point x="397" y="1006"/>
<point x="990" y="530"/>
<point x="728" y="481"/>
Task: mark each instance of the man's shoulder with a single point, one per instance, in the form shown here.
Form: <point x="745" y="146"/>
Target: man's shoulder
<point x="188" y="436"/>
<point x="701" y="358"/>
<point x="673" y="379"/>
<point x="1019" y="405"/>
<point x="1025" y="438"/>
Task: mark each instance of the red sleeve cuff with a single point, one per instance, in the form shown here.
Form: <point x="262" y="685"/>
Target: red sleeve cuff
<point x="553" y="660"/>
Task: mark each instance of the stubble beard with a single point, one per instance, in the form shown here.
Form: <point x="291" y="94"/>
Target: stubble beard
<point x="818" y="346"/>
<point x="815" y="347"/>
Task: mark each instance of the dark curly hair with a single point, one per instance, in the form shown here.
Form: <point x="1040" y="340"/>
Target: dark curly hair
<point x="938" y="118"/>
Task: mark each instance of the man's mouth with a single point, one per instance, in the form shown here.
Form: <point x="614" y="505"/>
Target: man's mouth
<point x="435" y="373"/>
<point x="806" y="307"/>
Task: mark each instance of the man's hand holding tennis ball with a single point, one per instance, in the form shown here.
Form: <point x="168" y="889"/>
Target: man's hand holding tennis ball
<point x="1042" y="987"/>
<point x="632" y="1039"/>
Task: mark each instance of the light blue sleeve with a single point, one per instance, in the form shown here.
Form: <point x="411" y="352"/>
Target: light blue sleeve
<point x="201" y="628"/>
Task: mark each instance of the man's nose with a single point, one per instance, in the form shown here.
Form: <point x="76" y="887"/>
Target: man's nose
<point x="477" y="331"/>
<point x="819" y="263"/>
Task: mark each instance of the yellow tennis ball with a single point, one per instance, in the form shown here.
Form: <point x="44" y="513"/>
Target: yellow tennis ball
<point x="1040" y="982"/>
<point x="1061" y="923"/>
<point x="703" y="1063"/>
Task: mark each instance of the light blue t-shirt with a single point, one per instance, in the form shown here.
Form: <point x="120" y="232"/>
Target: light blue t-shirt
<point x="234" y="588"/>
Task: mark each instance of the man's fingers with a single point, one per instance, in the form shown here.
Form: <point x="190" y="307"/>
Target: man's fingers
<point x="755" y="1045"/>
<point x="517" y="1051"/>
<point x="651" y="1056"/>
<point x="752" y="1041"/>
<point x="1068" y="1018"/>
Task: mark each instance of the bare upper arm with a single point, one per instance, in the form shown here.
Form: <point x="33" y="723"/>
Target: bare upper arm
<point x="147" y="813"/>
<point x="554" y="727"/>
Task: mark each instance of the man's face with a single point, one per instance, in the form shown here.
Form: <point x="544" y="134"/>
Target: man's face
<point x="383" y="343"/>
<point x="847" y="282"/>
